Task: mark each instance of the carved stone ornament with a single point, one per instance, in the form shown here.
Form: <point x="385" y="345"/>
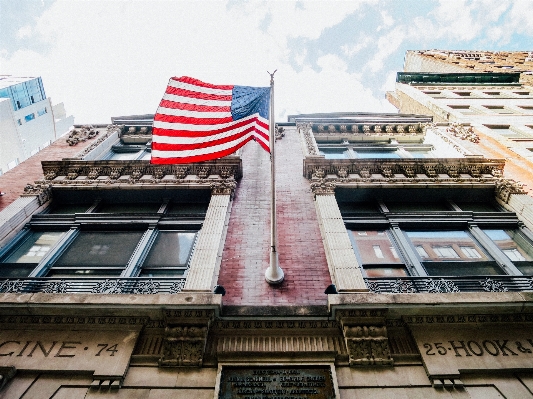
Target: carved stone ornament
<point x="463" y="132"/>
<point x="319" y="173"/>
<point x="368" y="345"/>
<point x="203" y="172"/>
<point x="305" y="130"/>
<point x="323" y="188"/>
<point x="183" y="346"/>
<point x="111" y="129"/>
<point x="226" y="187"/>
<point x="181" y="172"/>
<point x="505" y="187"/>
<point x="342" y="173"/>
<point x="227" y="172"/>
<point x="279" y="132"/>
<point x="41" y="190"/>
<point x="81" y="134"/>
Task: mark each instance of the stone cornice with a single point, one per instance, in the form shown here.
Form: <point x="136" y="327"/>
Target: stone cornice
<point x="433" y="170"/>
<point x="110" y="173"/>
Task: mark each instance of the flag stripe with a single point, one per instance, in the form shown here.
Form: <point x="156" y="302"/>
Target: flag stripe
<point x="199" y="83"/>
<point x="201" y="89"/>
<point x="194" y="107"/>
<point x="199" y="101"/>
<point x="194" y="114"/>
<point x="179" y="129"/>
<point x="195" y="94"/>
<point x="198" y="121"/>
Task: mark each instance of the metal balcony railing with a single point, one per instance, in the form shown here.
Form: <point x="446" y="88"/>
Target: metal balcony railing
<point x="446" y="284"/>
<point x="80" y="285"/>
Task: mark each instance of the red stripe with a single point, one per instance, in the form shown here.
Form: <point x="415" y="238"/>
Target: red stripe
<point x="202" y="144"/>
<point x="157" y="131"/>
<point x="193" y="107"/>
<point x="199" y="158"/>
<point x="196" y="82"/>
<point x="191" y="121"/>
<point x="194" y="94"/>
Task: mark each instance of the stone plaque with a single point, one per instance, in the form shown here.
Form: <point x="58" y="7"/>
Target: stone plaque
<point x="447" y="350"/>
<point x="305" y="382"/>
<point x="106" y="353"/>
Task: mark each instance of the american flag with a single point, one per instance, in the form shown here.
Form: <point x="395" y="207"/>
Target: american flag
<point x="198" y="121"/>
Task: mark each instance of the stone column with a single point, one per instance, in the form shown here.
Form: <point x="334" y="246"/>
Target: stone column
<point x="205" y="262"/>
<point x="343" y="266"/>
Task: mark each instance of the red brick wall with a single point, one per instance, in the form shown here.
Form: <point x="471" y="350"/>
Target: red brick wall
<point x="246" y="252"/>
<point x="12" y="182"/>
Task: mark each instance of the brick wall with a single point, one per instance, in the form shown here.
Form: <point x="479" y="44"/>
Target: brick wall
<point x="246" y="252"/>
<point x="12" y="182"/>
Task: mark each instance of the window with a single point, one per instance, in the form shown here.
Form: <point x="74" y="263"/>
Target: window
<point x="507" y="131"/>
<point x="499" y="109"/>
<point x="19" y="122"/>
<point x="466" y="109"/>
<point x="29" y="117"/>
<point x="334" y="153"/>
<point x="463" y="93"/>
<point x="435" y="247"/>
<point x="151" y="243"/>
<point x="29" y="250"/>
<point x="492" y="93"/>
<point x="42" y="112"/>
<point x="128" y="152"/>
<point x="435" y="94"/>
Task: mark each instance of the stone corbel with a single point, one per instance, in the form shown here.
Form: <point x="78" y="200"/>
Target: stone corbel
<point x="323" y="187"/>
<point x="6" y="374"/>
<point x="185" y="339"/>
<point x="225" y="187"/>
<point x="505" y="187"/>
<point x="42" y="191"/>
<point x="366" y="340"/>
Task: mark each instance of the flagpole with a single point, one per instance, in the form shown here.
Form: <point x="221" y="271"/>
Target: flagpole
<point x="274" y="274"/>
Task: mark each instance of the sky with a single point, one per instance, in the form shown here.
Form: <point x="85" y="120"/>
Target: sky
<point x="105" y="58"/>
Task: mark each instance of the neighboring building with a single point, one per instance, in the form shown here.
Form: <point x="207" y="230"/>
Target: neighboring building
<point x="468" y="61"/>
<point x="28" y="121"/>
<point x="492" y="111"/>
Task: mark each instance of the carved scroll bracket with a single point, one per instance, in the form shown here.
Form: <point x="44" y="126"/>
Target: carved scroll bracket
<point x="42" y="191"/>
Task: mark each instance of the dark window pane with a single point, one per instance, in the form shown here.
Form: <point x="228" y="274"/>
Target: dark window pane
<point x="129" y="208"/>
<point x="100" y="249"/>
<point x="525" y="267"/>
<point x="417" y="206"/>
<point x="79" y="272"/>
<point x="161" y="272"/>
<point x="187" y="208"/>
<point x="13" y="270"/>
<point x="171" y="248"/>
<point x="477" y="207"/>
<point x="369" y="154"/>
<point x="462" y="268"/>
<point x="347" y="208"/>
<point x="68" y="209"/>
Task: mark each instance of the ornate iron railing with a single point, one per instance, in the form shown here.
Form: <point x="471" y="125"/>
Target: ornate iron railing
<point x="80" y="285"/>
<point x="401" y="285"/>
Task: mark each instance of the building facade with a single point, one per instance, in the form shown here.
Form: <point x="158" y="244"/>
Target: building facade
<point x="408" y="268"/>
<point x="28" y="120"/>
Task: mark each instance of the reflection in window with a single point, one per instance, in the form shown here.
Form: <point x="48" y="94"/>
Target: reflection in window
<point x="30" y="251"/>
<point x="375" y="248"/>
<point x="334" y="153"/>
<point x="170" y="254"/>
<point x="385" y="154"/>
<point x="101" y="253"/>
<point x="515" y="246"/>
<point x="445" y="252"/>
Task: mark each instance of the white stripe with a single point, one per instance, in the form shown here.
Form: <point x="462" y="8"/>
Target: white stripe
<point x="192" y="114"/>
<point x="207" y="139"/>
<point x="200" y="151"/>
<point x="197" y="101"/>
<point x="202" y="128"/>
<point x="199" y="89"/>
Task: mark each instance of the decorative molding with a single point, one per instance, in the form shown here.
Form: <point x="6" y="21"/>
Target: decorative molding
<point x="225" y="187"/>
<point x="78" y="173"/>
<point x="505" y="187"/>
<point x="440" y="286"/>
<point x="367" y="345"/>
<point x="279" y="132"/>
<point x="42" y="190"/>
<point x="402" y="287"/>
<point x="355" y="129"/>
<point x="110" y="130"/>
<point x="74" y="320"/>
<point x="305" y="130"/>
<point x="323" y="187"/>
<point x="57" y="287"/>
<point x="81" y="134"/>
<point x="11" y="286"/>
<point x="441" y="170"/>
<point x="490" y="285"/>
<point x="470" y="318"/>
<point x="463" y="132"/>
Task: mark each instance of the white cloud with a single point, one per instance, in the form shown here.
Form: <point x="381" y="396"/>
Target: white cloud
<point x="387" y="45"/>
<point x="108" y="58"/>
<point x="24" y="32"/>
<point x="360" y="44"/>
